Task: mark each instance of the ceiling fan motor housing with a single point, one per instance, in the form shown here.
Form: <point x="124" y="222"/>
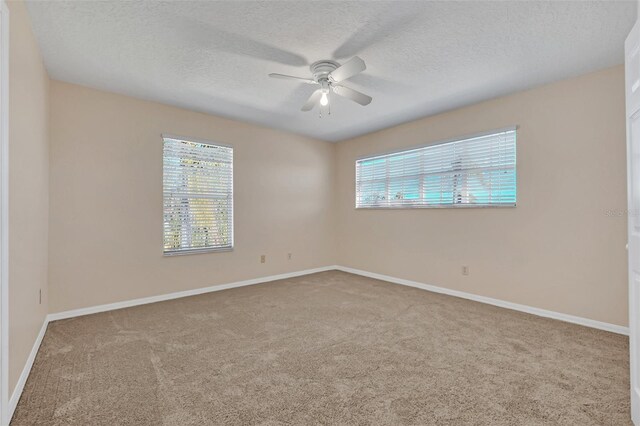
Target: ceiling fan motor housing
<point x="322" y="69"/>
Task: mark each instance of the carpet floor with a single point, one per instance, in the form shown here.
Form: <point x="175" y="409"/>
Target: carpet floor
<point x="328" y="348"/>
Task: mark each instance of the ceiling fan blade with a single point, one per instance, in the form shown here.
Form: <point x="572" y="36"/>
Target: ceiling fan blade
<point x="354" y="95"/>
<point x="291" y="77"/>
<point x="350" y="68"/>
<point x="312" y="101"/>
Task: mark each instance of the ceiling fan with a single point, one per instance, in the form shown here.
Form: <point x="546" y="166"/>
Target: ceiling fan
<point x="329" y="75"/>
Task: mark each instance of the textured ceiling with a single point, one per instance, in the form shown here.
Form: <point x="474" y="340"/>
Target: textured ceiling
<point x="422" y="57"/>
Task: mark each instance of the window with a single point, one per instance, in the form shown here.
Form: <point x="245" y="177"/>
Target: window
<point x="198" y="196"/>
<point x="474" y="172"/>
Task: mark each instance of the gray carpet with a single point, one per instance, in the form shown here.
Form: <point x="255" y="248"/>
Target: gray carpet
<point x="328" y="348"/>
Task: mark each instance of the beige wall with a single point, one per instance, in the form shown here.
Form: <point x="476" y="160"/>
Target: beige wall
<point x="558" y="249"/>
<point x="28" y="189"/>
<point x="106" y="200"/>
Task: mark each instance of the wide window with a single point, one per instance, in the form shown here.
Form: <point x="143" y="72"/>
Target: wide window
<point x="477" y="171"/>
<point x="198" y="196"/>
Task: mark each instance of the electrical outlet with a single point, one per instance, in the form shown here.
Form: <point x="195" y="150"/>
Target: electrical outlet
<point x="289" y="256"/>
<point x="263" y="258"/>
<point x="40" y="297"/>
<point x="465" y="270"/>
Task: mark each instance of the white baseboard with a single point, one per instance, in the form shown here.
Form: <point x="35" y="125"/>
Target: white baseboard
<point x="15" y="397"/>
<point x="496" y="302"/>
<point x="179" y="294"/>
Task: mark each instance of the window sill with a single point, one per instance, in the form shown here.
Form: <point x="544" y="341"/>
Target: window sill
<point x="449" y="206"/>
<point x="196" y="251"/>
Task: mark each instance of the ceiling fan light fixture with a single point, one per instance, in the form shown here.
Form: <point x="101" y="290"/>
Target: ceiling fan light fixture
<point x="324" y="100"/>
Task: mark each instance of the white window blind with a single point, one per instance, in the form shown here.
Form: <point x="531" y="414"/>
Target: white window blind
<point x="198" y="196"/>
<point x="473" y="172"/>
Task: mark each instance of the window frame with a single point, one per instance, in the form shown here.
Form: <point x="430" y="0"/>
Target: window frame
<point x="200" y="250"/>
<point x="431" y="144"/>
